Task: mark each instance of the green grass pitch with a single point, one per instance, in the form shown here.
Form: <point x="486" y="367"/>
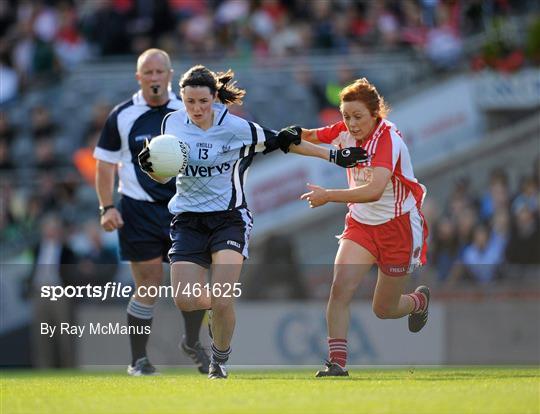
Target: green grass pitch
<point x="421" y="390"/>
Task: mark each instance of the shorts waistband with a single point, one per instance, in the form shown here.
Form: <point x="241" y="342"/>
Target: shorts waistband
<point x="205" y="213"/>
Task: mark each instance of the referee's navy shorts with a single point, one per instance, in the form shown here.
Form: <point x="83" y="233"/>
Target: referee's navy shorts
<point x="195" y="236"/>
<point x="145" y="234"/>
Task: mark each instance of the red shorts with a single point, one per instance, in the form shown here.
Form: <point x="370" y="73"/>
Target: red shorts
<point x="398" y="245"/>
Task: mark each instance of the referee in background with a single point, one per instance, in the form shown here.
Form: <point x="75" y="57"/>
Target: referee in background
<point x="142" y="218"/>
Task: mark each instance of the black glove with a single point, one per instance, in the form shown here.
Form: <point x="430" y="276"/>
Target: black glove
<point x="144" y="157"/>
<point x="288" y="136"/>
<point x="348" y="157"/>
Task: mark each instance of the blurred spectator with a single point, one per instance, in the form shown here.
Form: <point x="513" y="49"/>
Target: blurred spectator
<point x="387" y="23"/>
<point x="84" y="160"/>
<point x="330" y="113"/>
<point x="536" y="172"/>
<point x="44" y="155"/>
<point x="97" y="263"/>
<point x="304" y="77"/>
<point x="461" y="196"/>
<point x="497" y="196"/>
<point x="473" y="19"/>
<point x="322" y="23"/>
<point x="45" y="63"/>
<point x="43" y="131"/>
<point x="414" y="31"/>
<point x="106" y="27"/>
<point x="7" y="16"/>
<point x="7" y="136"/>
<point x="443" y="43"/>
<point x="466" y="220"/>
<point x="345" y="76"/>
<point x="482" y="257"/>
<point x="100" y="111"/>
<point x="45" y="190"/>
<point x="444" y="247"/>
<point x="70" y="46"/>
<point x="287" y="38"/>
<point x="41" y="123"/>
<point x="7" y="130"/>
<point x="529" y="195"/>
<point x="6" y="160"/>
<point x="9" y="77"/>
<point x="7" y="222"/>
<point x="54" y="265"/>
<point x="524" y="243"/>
<point x="66" y="191"/>
<point x="195" y="32"/>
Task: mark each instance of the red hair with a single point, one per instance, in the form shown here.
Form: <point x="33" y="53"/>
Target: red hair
<point x="364" y="91"/>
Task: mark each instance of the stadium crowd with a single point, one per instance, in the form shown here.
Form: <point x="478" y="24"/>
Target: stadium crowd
<point x="491" y="237"/>
<point x="41" y="39"/>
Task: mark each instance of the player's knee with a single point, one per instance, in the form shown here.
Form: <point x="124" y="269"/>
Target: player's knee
<point x="187" y="304"/>
<point x="221" y="305"/>
<point x="341" y="291"/>
<point x="148" y="279"/>
<point x="383" y="311"/>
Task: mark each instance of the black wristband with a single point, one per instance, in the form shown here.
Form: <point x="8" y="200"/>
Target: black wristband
<point x="333" y="156"/>
<point x="103" y="209"/>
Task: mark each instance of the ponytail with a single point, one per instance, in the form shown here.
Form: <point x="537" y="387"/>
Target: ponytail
<point x="229" y="93"/>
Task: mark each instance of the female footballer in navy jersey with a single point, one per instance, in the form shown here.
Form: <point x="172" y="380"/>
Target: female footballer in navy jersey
<point x="384" y="225"/>
<point x="212" y="222"/>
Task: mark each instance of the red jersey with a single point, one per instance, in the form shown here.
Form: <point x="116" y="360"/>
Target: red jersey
<point x="387" y="149"/>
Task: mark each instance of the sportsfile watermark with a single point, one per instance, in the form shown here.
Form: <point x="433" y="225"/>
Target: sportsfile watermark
<point x="117" y="290"/>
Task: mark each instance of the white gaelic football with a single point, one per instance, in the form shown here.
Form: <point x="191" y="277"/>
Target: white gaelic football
<point x="169" y="156"/>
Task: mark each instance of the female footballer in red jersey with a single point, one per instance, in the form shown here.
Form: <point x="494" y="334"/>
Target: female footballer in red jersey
<point x="384" y="224"/>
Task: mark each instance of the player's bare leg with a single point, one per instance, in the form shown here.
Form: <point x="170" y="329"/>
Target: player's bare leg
<point x="389" y="302"/>
<point x="227" y="265"/>
<point x="147" y="273"/>
<point x="351" y="265"/>
<point x="184" y="276"/>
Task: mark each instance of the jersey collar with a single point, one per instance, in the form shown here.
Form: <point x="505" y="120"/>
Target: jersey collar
<point x="220" y="111"/>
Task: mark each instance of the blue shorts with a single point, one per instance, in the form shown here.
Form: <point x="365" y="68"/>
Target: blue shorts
<point x="195" y="236"/>
<point x="145" y="234"/>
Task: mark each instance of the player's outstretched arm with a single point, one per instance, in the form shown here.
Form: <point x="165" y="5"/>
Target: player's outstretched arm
<point x="372" y="191"/>
<point x="346" y="157"/>
<point x="292" y="139"/>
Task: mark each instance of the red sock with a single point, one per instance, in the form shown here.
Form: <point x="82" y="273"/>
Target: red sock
<point x="419" y="300"/>
<point x="337" y="351"/>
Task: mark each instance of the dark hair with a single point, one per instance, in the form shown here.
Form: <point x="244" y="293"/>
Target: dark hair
<point x="220" y="82"/>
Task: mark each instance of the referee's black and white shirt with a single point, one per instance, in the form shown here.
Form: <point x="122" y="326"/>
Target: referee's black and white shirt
<point x="219" y="159"/>
<point x="126" y="129"/>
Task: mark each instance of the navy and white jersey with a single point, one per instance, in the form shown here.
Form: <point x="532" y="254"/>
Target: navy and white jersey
<point x="219" y="159"/>
<point x="126" y="129"/>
